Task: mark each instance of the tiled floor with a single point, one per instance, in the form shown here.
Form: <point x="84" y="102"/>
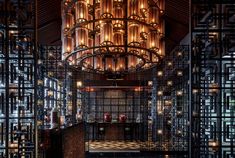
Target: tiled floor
<point x="118" y="146"/>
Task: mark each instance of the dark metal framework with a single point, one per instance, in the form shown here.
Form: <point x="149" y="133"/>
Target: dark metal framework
<point x="163" y="105"/>
<point x="132" y="102"/>
<point x="213" y="78"/>
<point x="172" y="119"/>
<point x="51" y="86"/>
<point x="18" y="56"/>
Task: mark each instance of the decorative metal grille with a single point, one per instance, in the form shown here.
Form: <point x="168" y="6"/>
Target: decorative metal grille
<point x="172" y="119"/>
<point x="17" y="79"/>
<point x="213" y="65"/>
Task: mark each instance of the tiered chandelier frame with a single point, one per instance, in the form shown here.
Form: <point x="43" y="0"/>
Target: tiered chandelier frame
<point x="112" y="35"/>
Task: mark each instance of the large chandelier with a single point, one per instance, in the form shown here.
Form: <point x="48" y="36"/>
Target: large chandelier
<point x="112" y="35"/>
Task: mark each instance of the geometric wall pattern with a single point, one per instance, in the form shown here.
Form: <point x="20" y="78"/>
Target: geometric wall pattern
<point x="17" y="79"/>
<point x="213" y="78"/>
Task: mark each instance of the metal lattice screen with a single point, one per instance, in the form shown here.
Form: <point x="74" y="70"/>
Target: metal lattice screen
<point x="213" y="65"/>
<point x="17" y="79"/>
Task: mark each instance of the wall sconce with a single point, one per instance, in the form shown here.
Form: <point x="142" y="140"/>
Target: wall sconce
<point x="160" y="112"/>
<point x="160" y="93"/>
<point x="50" y="74"/>
<point x="70" y="107"/>
<point x="60" y="64"/>
<point x="150" y="83"/>
<point x="50" y="55"/>
<point x="179" y="93"/>
<point x="159" y="131"/>
<point x="179" y="113"/>
<point x="195" y="91"/>
<point x="50" y="93"/>
<point x="40" y="102"/>
<point x="40" y="82"/>
<point x="214" y="145"/>
<point x="159" y="73"/>
<point x="168" y="102"/>
<point x="39" y="62"/>
<point x="179" y="133"/>
<point x="169" y="83"/>
<point x="169" y="63"/>
<point x="169" y="122"/>
<point x="195" y="114"/>
<point x="179" y="54"/>
<point x="179" y="73"/>
<point x="79" y="84"/>
<point x="70" y="93"/>
<point x="39" y="123"/>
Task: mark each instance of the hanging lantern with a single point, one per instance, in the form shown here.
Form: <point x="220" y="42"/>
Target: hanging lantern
<point x="81" y="11"/>
<point x="133" y="9"/>
<point x="153" y="16"/>
<point x="106" y="33"/>
<point x="106" y="8"/>
<point x="81" y="37"/>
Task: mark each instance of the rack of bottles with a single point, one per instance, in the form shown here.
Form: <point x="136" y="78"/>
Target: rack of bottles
<point x="18" y="128"/>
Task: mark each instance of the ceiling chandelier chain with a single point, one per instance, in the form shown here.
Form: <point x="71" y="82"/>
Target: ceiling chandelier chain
<point x="118" y="36"/>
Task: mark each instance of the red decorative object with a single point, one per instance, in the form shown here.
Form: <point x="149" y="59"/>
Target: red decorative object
<point x="47" y="118"/>
<point x="122" y="118"/>
<point x="107" y="117"/>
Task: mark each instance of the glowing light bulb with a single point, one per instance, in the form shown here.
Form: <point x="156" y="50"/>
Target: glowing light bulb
<point x="68" y="48"/>
<point x="106" y="37"/>
<point x="160" y="93"/>
<point x="169" y="83"/>
<point x="159" y="73"/>
<point x="153" y="44"/>
<point x="159" y="131"/>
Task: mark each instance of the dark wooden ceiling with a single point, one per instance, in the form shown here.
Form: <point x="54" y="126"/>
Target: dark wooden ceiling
<point x="49" y="22"/>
